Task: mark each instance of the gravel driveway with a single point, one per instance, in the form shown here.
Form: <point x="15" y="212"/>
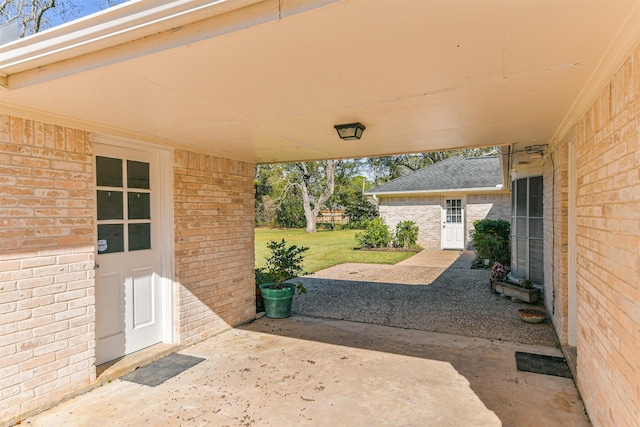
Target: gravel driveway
<point x="432" y="291"/>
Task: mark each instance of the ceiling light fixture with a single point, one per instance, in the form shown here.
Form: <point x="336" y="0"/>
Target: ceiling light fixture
<point x="351" y="131"/>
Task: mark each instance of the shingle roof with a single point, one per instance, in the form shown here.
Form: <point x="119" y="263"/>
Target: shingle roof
<point x="453" y="173"/>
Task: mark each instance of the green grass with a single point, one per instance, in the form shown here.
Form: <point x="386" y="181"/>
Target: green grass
<point x="326" y="248"/>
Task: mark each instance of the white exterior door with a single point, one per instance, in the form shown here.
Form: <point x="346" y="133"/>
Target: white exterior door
<point x="453" y="224"/>
<point x="128" y="262"/>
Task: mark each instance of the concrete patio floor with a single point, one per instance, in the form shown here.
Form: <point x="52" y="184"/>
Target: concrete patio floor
<point x="308" y="371"/>
<point x="322" y="372"/>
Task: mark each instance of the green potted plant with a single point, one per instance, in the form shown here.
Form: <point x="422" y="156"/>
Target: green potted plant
<point x="284" y="263"/>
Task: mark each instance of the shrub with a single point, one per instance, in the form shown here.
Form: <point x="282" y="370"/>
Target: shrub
<point x="406" y="234"/>
<point x="375" y="235"/>
<point x="490" y="238"/>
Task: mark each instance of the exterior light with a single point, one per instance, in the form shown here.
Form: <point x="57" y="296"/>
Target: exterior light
<point x="351" y="131"/>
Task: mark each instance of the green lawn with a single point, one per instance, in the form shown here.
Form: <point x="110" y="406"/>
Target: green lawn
<point x="326" y="248"/>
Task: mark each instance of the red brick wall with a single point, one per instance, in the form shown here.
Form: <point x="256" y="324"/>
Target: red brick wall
<point x="608" y="248"/>
<point x="47" y="310"/>
<point x="214" y="220"/>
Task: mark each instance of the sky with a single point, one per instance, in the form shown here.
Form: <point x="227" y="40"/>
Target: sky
<point x="74" y="9"/>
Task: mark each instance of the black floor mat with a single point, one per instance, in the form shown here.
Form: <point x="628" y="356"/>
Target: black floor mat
<point x="541" y="364"/>
<point x="162" y="369"/>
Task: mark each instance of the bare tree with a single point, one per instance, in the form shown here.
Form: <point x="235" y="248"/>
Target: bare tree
<point x="317" y="183"/>
<point x="30" y="13"/>
<point x="38" y="15"/>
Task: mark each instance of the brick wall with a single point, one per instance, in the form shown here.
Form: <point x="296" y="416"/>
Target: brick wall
<point x="556" y="243"/>
<point x="487" y="206"/>
<point x="46" y="264"/>
<point x="426" y="211"/>
<point x="608" y="243"/>
<point x="214" y="262"/>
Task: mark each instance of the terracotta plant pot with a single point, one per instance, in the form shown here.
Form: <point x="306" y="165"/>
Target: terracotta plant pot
<point x="531" y="315"/>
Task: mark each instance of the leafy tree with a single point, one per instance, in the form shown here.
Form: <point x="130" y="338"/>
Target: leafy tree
<point x="289" y="212"/>
<point x="388" y="168"/>
<point x="356" y="205"/>
<point x="264" y="211"/>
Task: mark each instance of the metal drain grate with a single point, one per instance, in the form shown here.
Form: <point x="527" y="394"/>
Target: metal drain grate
<point x="162" y="369"/>
<point x="541" y="364"/>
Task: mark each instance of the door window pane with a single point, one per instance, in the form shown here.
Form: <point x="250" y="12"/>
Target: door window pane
<point x="108" y="172"/>
<point x="110" y="238"/>
<point x="139" y="237"/>
<point x="123" y="230"/>
<point x="454" y="210"/>
<point x="139" y="205"/>
<point x="137" y="174"/>
<point x="110" y="205"/>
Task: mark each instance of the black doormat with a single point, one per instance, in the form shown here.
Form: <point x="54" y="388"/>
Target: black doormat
<point x="541" y="364"/>
<point x="162" y="369"/>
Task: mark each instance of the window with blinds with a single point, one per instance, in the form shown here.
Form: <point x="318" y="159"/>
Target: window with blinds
<point x="527" y="248"/>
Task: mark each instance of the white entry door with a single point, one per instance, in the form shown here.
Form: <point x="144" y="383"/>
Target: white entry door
<point x="129" y="261"/>
<point x="453" y="224"/>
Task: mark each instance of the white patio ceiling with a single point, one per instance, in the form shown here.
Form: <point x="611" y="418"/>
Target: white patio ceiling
<point x="266" y="83"/>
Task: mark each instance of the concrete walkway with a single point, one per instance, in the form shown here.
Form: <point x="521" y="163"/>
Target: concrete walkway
<point x="322" y="372"/>
<point x="434" y="291"/>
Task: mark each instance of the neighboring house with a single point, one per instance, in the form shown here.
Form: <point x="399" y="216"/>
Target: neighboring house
<point x="128" y="141"/>
<point x="444" y="200"/>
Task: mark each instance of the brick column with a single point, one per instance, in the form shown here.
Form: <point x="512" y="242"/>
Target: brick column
<point x="47" y="308"/>
<point x="608" y="250"/>
<point x="214" y="221"/>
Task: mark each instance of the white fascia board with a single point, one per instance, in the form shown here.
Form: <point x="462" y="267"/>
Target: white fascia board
<point x="141" y="20"/>
<point x="113" y="26"/>
<point x="432" y="192"/>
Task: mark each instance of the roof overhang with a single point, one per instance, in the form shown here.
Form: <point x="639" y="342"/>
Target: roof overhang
<point x="473" y="190"/>
<point x="266" y="80"/>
